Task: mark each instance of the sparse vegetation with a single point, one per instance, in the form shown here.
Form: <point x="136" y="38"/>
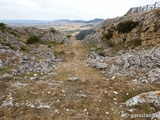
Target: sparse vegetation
<point x="109" y="35"/>
<point x="126" y="27"/>
<point x="126" y="45"/>
<point x="13" y="33"/>
<point x="24" y="49"/>
<point x="111" y="44"/>
<point x="124" y="40"/>
<point x="55" y="43"/>
<point x="69" y="36"/>
<point x="156" y="27"/>
<point x="9" y="45"/>
<point x="102" y="53"/>
<point x="29" y="74"/>
<point x="2" y="27"/>
<point x="99" y="49"/>
<point x="2" y="71"/>
<point x="32" y="39"/>
<point x="53" y="30"/>
<point x="59" y="53"/>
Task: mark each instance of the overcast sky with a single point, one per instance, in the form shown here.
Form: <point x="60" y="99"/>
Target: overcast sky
<point x="66" y="9"/>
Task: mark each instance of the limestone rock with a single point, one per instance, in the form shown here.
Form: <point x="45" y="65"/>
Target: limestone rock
<point x="100" y="65"/>
<point x="150" y="97"/>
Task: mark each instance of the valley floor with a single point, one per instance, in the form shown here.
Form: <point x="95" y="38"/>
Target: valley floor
<point x="74" y="92"/>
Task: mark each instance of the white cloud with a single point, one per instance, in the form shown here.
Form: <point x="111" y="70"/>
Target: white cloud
<point x="67" y="9"/>
<point x="29" y="3"/>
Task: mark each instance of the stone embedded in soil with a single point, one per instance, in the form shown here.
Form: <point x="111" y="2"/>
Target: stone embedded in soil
<point x="149" y="97"/>
<point x="115" y="92"/>
<point x="73" y="79"/>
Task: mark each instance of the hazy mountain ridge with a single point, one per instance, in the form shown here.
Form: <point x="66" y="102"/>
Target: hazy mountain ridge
<point x="51" y="21"/>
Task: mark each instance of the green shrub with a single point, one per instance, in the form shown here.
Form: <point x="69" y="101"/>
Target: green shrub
<point x="2" y="27"/>
<point x="24" y="49"/>
<point x="99" y="49"/>
<point x="32" y="39"/>
<point x="102" y="53"/>
<point x="69" y="36"/>
<point x="124" y="40"/>
<point x="53" y="30"/>
<point x="109" y="35"/>
<point x="126" y="27"/>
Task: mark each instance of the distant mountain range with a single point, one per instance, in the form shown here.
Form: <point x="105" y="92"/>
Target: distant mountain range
<point x="97" y="20"/>
<point x="80" y="21"/>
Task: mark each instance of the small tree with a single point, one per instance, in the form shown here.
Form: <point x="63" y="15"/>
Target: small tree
<point x="109" y="35"/>
<point x="32" y="39"/>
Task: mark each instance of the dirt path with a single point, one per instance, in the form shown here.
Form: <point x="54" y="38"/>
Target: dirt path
<point x="75" y="66"/>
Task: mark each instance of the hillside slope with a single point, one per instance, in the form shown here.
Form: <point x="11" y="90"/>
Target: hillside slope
<point x="144" y="26"/>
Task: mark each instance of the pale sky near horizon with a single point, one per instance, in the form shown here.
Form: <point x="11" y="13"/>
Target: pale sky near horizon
<point x="66" y="9"/>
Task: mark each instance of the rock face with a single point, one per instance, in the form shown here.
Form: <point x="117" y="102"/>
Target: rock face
<point x="147" y="30"/>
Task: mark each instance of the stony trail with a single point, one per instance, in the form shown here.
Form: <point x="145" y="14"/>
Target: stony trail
<point x="75" y="66"/>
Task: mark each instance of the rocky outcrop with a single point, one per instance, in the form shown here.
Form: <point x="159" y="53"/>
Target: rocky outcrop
<point x="56" y="37"/>
<point x="142" y="63"/>
<point x="147" y="30"/>
<point x="44" y="34"/>
<point x="17" y="57"/>
<point x="40" y="60"/>
<point x="150" y="97"/>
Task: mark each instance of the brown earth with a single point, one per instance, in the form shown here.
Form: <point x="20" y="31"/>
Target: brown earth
<point x="93" y="97"/>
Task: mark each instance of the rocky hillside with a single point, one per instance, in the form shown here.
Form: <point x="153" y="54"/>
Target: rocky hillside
<point x="129" y="46"/>
<point x="143" y="26"/>
<point x="20" y="57"/>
